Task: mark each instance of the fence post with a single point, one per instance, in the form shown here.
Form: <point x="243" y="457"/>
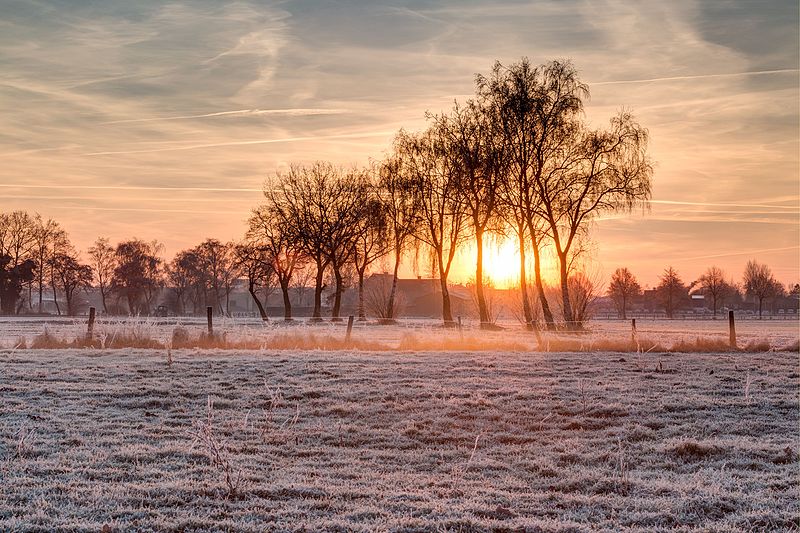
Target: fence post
<point x="633" y="330"/>
<point x="732" y="326"/>
<point x="459" y="322"/>
<point x="90" y="328"/>
<point x="349" y="328"/>
<point x="210" y="320"/>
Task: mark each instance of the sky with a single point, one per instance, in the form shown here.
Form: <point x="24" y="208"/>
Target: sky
<point x="163" y="120"/>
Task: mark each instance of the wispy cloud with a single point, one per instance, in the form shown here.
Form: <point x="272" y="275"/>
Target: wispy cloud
<point x="296" y="112"/>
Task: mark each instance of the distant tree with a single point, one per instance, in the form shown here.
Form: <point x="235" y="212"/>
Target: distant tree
<point x="49" y="238"/>
<point x="12" y="279"/>
<point x="182" y="274"/>
<point x="103" y="261"/>
<point x="712" y="283"/>
<point x="759" y="283"/>
<point x="672" y="291"/>
<point x="254" y="262"/>
<point x="137" y="274"/>
<point x="70" y="276"/>
<point x="280" y="250"/>
<point x="216" y="261"/>
<point x="622" y="289"/>
<point x="18" y="243"/>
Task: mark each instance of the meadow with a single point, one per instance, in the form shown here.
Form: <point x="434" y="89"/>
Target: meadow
<point x="397" y="440"/>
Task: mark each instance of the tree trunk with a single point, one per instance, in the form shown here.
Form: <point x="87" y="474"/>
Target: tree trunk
<point x="251" y="289"/>
<point x="447" y="312"/>
<point x="483" y="312"/>
<point x="537" y="270"/>
<point x="317" y="315"/>
<point x="287" y="302"/>
<point x="362" y="314"/>
<point x="760" y="306"/>
<point x="103" y="297"/>
<point x="393" y="292"/>
<point x="527" y="313"/>
<point x="55" y="295"/>
<point x="565" y="303"/>
<point x="337" y="295"/>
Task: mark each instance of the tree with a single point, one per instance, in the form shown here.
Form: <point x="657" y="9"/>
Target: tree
<point x="476" y="166"/>
<point x="276" y="245"/>
<point x="182" y="274"/>
<point x="103" y="261"/>
<point x="622" y="289"/>
<point x="672" y="291"/>
<point x="348" y="204"/>
<point x="255" y="263"/>
<point x="216" y="261"/>
<point x="48" y="238"/>
<point x="17" y="246"/>
<point x="12" y="278"/>
<point x="70" y="276"/>
<point x="300" y="201"/>
<point x="712" y="283"/>
<point x="400" y="206"/>
<point x="760" y="283"/>
<point x="371" y="240"/>
<point x="137" y="274"/>
<point x="529" y="108"/>
<point x="438" y="199"/>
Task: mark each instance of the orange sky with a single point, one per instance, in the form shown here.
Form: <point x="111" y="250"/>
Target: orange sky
<point x="120" y="121"/>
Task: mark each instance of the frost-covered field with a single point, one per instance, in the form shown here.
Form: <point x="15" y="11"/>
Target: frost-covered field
<point x="389" y="441"/>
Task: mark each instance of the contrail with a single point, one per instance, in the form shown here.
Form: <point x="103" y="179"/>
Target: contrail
<point x="746" y="252"/>
<point x="247" y="143"/>
<point x="148" y="210"/>
<point x="291" y="112"/>
<point x="127" y="188"/>
<point x="700" y="76"/>
<point x="712" y="204"/>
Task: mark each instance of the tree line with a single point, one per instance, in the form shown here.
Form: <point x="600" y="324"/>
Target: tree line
<point x="516" y="161"/>
<point x="672" y="293"/>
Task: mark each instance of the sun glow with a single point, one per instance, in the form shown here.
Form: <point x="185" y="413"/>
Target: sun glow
<point x="501" y="262"/>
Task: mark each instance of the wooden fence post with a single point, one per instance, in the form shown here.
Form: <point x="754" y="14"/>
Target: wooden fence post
<point x="90" y="327"/>
<point x="633" y="330"/>
<point x="349" y="328"/>
<point x="732" y="327"/>
<point x="210" y="320"/>
<point x="459" y="323"/>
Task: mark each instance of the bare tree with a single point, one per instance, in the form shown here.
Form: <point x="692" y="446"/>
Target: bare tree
<point x="280" y="248"/>
<point x="529" y="108"/>
<point x="400" y="205"/>
<point x="622" y="289"/>
<point x="216" y="261"/>
<point x="370" y="241"/>
<point x="437" y="195"/>
<point x="137" y="274"/>
<point x="300" y="201"/>
<point x="760" y="283"/>
<point x="254" y="261"/>
<point x="70" y="276"/>
<point x="103" y="261"/>
<point x="477" y="169"/>
<point x="712" y="283"/>
<point x="672" y="290"/>
<point x="180" y="274"/>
